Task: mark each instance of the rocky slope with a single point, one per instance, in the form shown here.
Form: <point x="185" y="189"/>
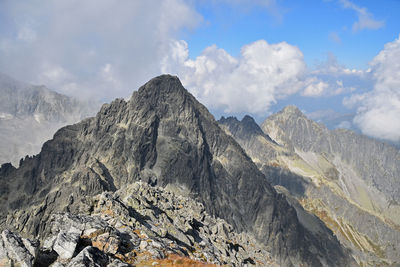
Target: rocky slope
<point x="349" y="181"/>
<point x="161" y="136"/>
<point x="137" y="225"/>
<point x="30" y="115"/>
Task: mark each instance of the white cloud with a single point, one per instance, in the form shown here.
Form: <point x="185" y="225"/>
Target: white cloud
<point x="332" y="68"/>
<point x="315" y="88"/>
<point x="336" y="79"/>
<point x="353" y="100"/>
<point x="252" y="82"/>
<point x="378" y="113"/>
<point x="365" y="19"/>
<point x="67" y="44"/>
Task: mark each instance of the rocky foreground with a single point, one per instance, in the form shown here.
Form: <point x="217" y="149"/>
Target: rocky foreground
<point x="139" y="225"/>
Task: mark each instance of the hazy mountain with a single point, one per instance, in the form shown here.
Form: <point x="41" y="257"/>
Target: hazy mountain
<point x="162" y="136"/>
<point x="351" y="182"/>
<point x="30" y="115"/>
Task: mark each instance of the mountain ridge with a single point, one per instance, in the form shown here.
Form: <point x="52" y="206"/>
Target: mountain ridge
<point x="33" y="114"/>
<point x="324" y="183"/>
<point x="162" y="136"/>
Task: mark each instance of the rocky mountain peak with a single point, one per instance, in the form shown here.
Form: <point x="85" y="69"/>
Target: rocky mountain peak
<point x="249" y="121"/>
<point x="163" y="85"/>
<point x="161" y="91"/>
<point x="292" y="110"/>
<point x="162" y="136"/>
<point x="246" y="127"/>
<point x="293" y="120"/>
<point x="347" y="180"/>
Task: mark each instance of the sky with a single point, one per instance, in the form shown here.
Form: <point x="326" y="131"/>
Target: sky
<point x="337" y="60"/>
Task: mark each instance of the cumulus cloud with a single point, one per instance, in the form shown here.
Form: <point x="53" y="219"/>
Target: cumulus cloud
<point x="330" y="78"/>
<point x="315" y="88"/>
<point x="102" y="47"/>
<point x="262" y="75"/>
<point x="378" y="112"/>
<point x="251" y="82"/>
<point x="332" y="68"/>
<point x="365" y="20"/>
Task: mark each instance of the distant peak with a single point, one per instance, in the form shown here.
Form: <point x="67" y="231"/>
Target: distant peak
<point x="249" y="123"/>
<point x="228" y="120"/>
<point x="291" y="109"/>
<point x="246" y="126"/>
<point x="7" y="81"/>
<point x="248" y="119"/>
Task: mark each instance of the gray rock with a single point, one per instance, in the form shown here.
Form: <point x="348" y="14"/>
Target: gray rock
<point x="118" y="263"/>
<point x="49" y="242"/>
<point x="57" y="264"/>
<point x="91" y="257"/>
<point x="15" y="250"/>
<point x="66" y="243"/>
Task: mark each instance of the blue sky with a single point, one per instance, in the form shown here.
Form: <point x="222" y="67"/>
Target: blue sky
<point x="320" y="29"/>
<point x="316" y="27"/>
<point x="337" y="60"/>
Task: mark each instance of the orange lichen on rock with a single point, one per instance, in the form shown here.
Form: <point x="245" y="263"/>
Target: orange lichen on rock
<point x="106" y="243"/>
<point x="174" y="260"/>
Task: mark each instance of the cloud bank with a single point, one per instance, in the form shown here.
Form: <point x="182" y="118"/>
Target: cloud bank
<point x="111" y="47"/>
<point x="378" y="112"/>
<point x="104" y="48"/>
<point x="259" y="77"/>
<point x="251" y="82"/>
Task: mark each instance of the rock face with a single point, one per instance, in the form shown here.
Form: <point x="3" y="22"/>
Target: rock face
<point x="30" y="115"/>
<point x="137" y="225"/>
<point x="162" y="136"/>
<point x="17" y="251"/>
<point x="349" y="181"/>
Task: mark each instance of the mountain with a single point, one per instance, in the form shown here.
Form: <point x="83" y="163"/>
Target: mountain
<point x="351" y="182"/>
<point x="30" y="115"/>
<point x="164" y="137"/>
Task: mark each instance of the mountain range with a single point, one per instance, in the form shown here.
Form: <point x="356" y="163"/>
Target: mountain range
<point x="347" y="180"/>
<point x="301" y="194"/>
<point x="30" y="115"/>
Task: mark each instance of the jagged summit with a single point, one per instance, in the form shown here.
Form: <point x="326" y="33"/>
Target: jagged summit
<point x="292" y="110"/>
<point x="163" y="84"/>
<point x="246" y="127"/>
<point x="162" y="90"/>
<point x="162" y="136"/>
<point x="248" y="120"/>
